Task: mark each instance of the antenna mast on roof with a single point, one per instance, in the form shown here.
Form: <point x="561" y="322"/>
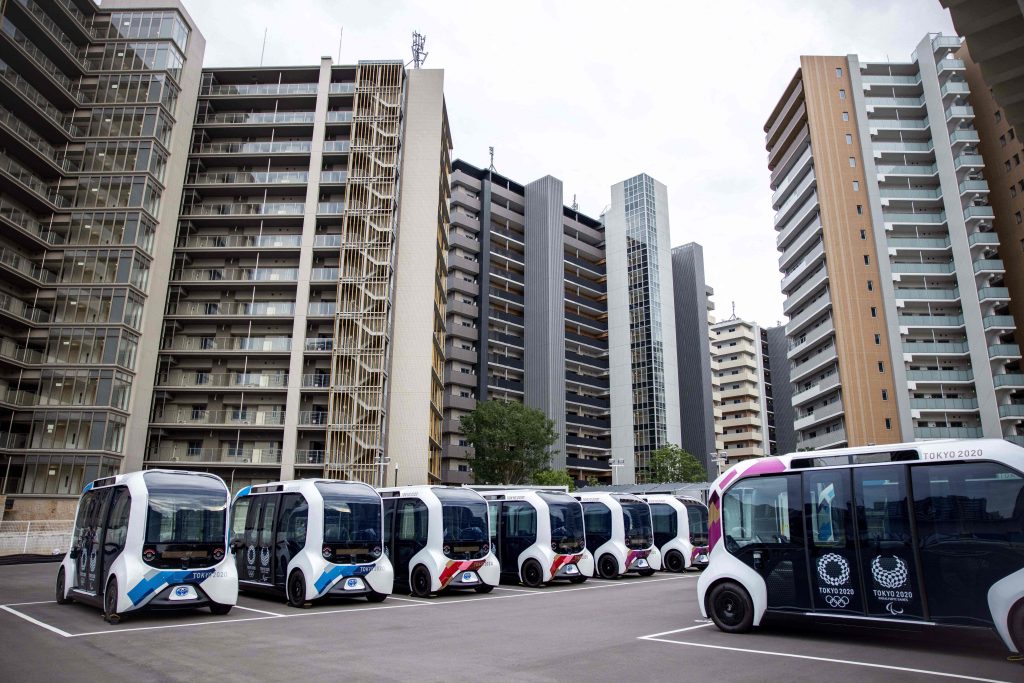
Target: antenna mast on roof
<point x="490" y="168"/>
<point x="419" y="56"/>
<point x="263" y="49"/>
<point x="575" y="205"/>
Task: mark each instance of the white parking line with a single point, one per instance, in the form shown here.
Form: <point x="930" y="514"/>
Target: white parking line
<point x="418" y="601"/>
<point x="35" y="621"/>
<point x="678" y="630"/>
<point x="261" y="611"/>
<point x="819" y="659"/>
<point x="38" y="602"/>
<point x="515" y="590"/>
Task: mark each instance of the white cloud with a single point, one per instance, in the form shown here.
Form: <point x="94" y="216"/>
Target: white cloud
<point x="594" y="92"/>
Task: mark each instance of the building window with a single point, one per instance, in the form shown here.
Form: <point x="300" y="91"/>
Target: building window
<point x="853" y="162"/>
<point x="881" y="366"/>
<point x="849" y="139"/>
<point x="871" y="285"/>
<point x="1006" y="165"/>
<point x="1011" y="134"/>
<point x="842" y="94"/>
<point x="860" y="210"/>
<point x="863" y="234"/>
<point x="867" y="260"/>
<point x="839" y="72"/>
<point x="856" y="186"/>
<point x="1013" y="190"/>
<point x="1016" y="159"/>
<point x="1017" y="217"/>
<point x="999" y="116"/>
<point x="1002" y="141"/>
<point x="878" y="340"/>
<point x="885" y="394"/>
<point x="888" y="423"/>
<point x="846" y="116"/>
<point x="874" y="312"/>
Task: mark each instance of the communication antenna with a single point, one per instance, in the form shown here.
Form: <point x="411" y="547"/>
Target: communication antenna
<point x="419" y="56"/>
<point x="490" y="150"/>
<point x="263" y="49"/>
<point x="341" y="35"/>
<point x="575" y="206"/>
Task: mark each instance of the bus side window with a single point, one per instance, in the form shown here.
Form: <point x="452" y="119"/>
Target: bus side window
<point x="117" y="530"/>
<point x="521" y="519"/>
<point x="597" y="520"/>
<point x="291" y="526"/>
<point x="492" y="520"/>
<point x="757" y="511"/>
<point x="389" y="521"/>
<point x="238" y="515"/>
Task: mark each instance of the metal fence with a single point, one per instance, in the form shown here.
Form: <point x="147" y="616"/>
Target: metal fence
<point x="35" y="537"/>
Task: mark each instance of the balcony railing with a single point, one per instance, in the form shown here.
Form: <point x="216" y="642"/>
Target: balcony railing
<point x="998" y="321"/>
<point x="309" y="456"/>
<point x="979" y="212"/>
<point x="327" y="241"/>
<point x="1004" y="351"/>
<point x="34" y="140"/>
<point x="911" y="170"/>
<point x="23" y="265"/>
<point x="320" y="308"/>
<point x="246" y="209"/>
<point x="318" y="344"/>
<point x="62" y="120"/>
<point x="986" y="293"/>
<point x="969" y="160"/>
<point x="959" y="112"/>
<point x="932" y="348"/>
<point x="940" y="376"/>
<point x="1011" y="410"/>
<point x="231" y="308"/>
<point x="216" y="89"/>
<point x="336" y="145"/>
<point x="921" y="218"/>
<point x="53" y="29"/>
<point x="974" y="186"/>
<point x="241" y="274"/>
<point x="339" y="116"/>
<point x="21" y="309"/>
<point x="927" y="294"/>
<point x="983" y="238"/>
<point x="988" y="264"/>
<point x="258" y="117"/>
<point x="330" y="208"/>
<point x="239" y="241"/>
<point x="284" y="147"/>
<point x="944" y="404"/>
<point x="333" y="176"/>
<point x="231" y="455"/>
<point x="250" y="178"/>
<point x="240" y="380"/>
<point x="248" y="344"/>
<point x="1009" y="380"/>
<point x="341" y="88"/>
<point x="947" y="432"/>
<point x="270" y="418"/>
<point x="319" y="381"/>
<point x="32" y="181"/>
<point x="39" y="58"/>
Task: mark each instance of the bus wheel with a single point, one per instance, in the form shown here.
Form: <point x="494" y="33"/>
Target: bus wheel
<point x="483" y="588"/>
<point x="533" y="575"/>
<point x="374" y="596"/>
<point x="1015" y="625"/>
<point x="297" y="589"/>
<point x="419" y="582"/>
<point x="674" y="561"/>
<point x="731" y="608"/>
<point x="608" y="567"/>
<point x="577" y="579"/>
<point x="110" y="614"/>
<point x="62" y="598"/>
<point x="219" y="609"/>
<point x="646" y="572"/>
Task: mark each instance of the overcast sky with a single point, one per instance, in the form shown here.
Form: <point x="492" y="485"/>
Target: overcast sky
<point x="594" y="92"/>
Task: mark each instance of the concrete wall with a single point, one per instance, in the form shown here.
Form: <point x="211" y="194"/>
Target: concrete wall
<point x="619" y="363"/>
<point x="782" y="390"/>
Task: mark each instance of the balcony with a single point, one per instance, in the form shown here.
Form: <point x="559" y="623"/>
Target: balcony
<point x="896" y="124"/>
<point x="316" y="381"/>
<point x="955" y="88"/>
<point x="920" y="218"/>
<point x="310" y="456"/>
<point x="795" y="225"/>
<point x="984" y="238"/>
<point x="989" y="266"/>
<point x="232" y="308"/>
<point x="336" y="145"/>
<point x="811" y="337"/>
<point x="786" y="185"/>
<point x="21" y="264"/>
<point x="999" y="322"/>
<point x="894" y="102"/>
<point x="947" y="432"/>
<point x="903" y="147"/>
<point x="330" y="208"/>
<point x="936" y="348"/>
<point x="993" y="294"/>
<point x="901" y="193"/>
<point x="820" y="414"/>
<point x="944" y="404"/>
<point x="236" y="275"/>
<point x="810" y="259"/>
<point x="229" y="380"/>
<point x="821" y="358"/>
<point x="225" y="455"/>
<point x="31" y="181"/>
<point x="321" y="309"/>
<point x="227" y="418"/>
<point x="252" y="148"/>
<point x="968" y="161"/>
<point x="959" y="112"/>
<point x="811" y="312"/>
<point x="973" y="186"/>
<point x="799" y="194"/>
<point x="1009" y="380"/>
<point x="832" y="439"/>
<point x="813" y="284"/>
<point x="924" y="268"/>
<point x="228" y="344"/>
<point x="249" y="178"/>
<point x="906" y="170"/>
<point x="931" y="321"/>
<point x="245" y="209"/>
<point x="318" y="345"/>
<point x="333" y="177"/>
<point x="324" y="275"/>
<point x="940" y="376"/>
<point x="257" y="89"/>
<point x="918" y="243"/>
<point x="979" y="212"/>
<point x="964" y="136"/>
<point x="313" y="418"/>
<point x="257" y="117"/>
<point x="879" y="79"/>
<point x="54" y="116"/>
<point x="1004" y="351"/>
<point x="815" y="390"/>
<point x="927" y="294"/>
<point x="1011" y="411"/>
<point x="266" y="241"/>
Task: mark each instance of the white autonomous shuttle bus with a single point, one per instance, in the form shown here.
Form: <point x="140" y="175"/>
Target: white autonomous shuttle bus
<point x="437" y="537"/>
<point x="153" y="539"/>
<point x="311" y="539"/>
<point x="929" y="532"/>
<point x="619" y="534"/>
<point x="673" y="535"/>
<point x="538" y="536"/>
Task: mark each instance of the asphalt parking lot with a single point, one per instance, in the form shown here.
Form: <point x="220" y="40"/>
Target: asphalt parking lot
<point x="646" y="629"/>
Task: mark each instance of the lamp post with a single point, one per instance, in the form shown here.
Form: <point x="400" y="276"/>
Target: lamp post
<point x="615" y="464"/>
<point x="382" y="465"/>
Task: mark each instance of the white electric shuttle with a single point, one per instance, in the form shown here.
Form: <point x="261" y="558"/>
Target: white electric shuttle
<point x="437" y="537"/>
<point x="311" y="539"/>
<point x="538" y="536"/>
<point x="619" y="534"/>
<point x="154" y="539"/>
<point x="672" y="532"/>
<point x="919" y="533"/>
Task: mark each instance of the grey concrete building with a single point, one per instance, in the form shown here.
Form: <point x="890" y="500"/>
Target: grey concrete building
<point x="95" y="112"/>
<point x="526" y="316"/>
<point x="641" y="327"/>
<point x="777" y="375"/>
<point x="692" y="300"/>
<point x="303" y="279"/>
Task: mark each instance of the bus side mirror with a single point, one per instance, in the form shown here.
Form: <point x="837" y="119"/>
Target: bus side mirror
<point x="236" y="544"/>
<point x="73" y="553"/>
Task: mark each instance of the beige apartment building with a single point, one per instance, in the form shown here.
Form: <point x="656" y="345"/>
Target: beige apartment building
<point x="738" y="366"/>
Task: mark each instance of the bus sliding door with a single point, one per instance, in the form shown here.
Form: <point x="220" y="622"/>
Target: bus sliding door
<point x="831" y="542"/>
<point x="887" y="560"/>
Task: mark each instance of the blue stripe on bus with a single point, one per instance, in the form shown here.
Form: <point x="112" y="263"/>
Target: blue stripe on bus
<point x="339" y="570"/>
<point x="87" y="488"/>
<point x="244" y="492"/>
<point x="152" y="584"/>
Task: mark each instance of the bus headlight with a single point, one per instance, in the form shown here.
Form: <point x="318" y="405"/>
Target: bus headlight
<point x="375" y="552"/>
<point x="326" y="552"/>
<point x="447" y="550"/>
<point x="554" y="546"/>
<point x="485" y="548"/>
<point x="218" y="554"/>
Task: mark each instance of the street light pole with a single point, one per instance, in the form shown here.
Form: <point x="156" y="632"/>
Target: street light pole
<point x="615" y="464"/>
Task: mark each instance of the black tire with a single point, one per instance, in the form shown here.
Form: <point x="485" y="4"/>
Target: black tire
<point x="374" y="596"/>
<point x="419" y="582"/>
<point x="1015" y="625"/>
<point x="731" y="608"/>
<point x="607" y="567"/>
<point x="645" y="572"/>
<point x="219" y="609"/>
<point x="296" y="589"/>
<point x="532" y="574"/>
<point x="674" y="561"/>
<point x="110" y="614"/>
<point x="61" y="589"/>
<point x="483" y="588"/>
<point x="577" y="579"/>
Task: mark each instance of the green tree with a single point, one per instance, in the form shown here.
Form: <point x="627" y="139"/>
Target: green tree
<point x="554" y="478"/>
<point x="672" y="463"/>
<point x="510" y="441"/>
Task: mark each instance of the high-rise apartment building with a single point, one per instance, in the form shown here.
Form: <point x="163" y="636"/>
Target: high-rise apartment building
<point x="699" y="410"/>
<point x="95" y="107"/>
<point x="641" y="327"/>
<point x="527" y="316"/>
<point x="304" y="279"/>
<point x="740" y="351"/>
<point x="899" y="325"/>
<point x="781" y="389"/>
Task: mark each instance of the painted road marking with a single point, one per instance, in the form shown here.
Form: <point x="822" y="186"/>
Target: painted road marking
<point x="515" y="590"/>
<point x="35" y="621"/>
<point x="889" y="667"/>
<point x="261" y="611"/>
<point x="678" y="630"/>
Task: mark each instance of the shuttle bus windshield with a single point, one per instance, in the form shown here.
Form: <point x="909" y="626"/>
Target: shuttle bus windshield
<point x="636" y="517"/>
<point x="185" y="519"/>
<point x="697" y="517"/>
<point x="566" y="523"/>
<point x="464" y="514"/>
<point x="352" y="523"/>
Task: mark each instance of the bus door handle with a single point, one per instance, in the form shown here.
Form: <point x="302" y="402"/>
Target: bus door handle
<point x="758" y="560"/>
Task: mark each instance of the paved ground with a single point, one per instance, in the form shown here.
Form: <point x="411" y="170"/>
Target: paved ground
<point x="634" y="629"/>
